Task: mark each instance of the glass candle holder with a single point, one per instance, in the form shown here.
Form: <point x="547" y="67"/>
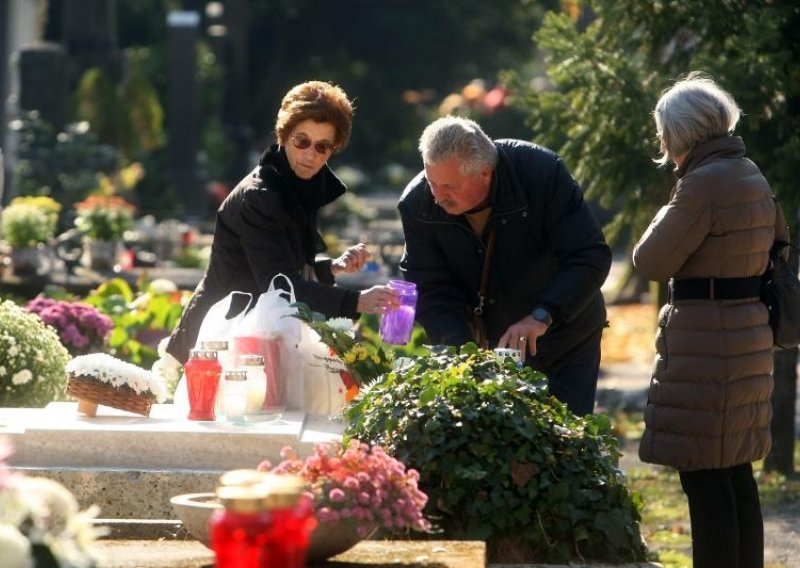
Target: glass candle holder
<point x="225" y="358"/>
<point x="240" y="532"/>
<point x="396" y="324"/>
<point x="202" y="383"/>
<point x="256" y="381"/>
<point x="235" y="394"/>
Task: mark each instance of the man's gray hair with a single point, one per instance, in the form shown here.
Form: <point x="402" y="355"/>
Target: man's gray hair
<point x="693" y="110"/>
<point x="460" y="137"/>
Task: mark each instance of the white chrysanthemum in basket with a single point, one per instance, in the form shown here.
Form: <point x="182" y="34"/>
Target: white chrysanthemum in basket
<point x="117" y="373"/>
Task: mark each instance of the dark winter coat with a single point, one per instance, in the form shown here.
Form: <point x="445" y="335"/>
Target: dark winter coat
<point x="267" y="226"/>
<point x="709" y="400"/>
<point x="549" y="252"/>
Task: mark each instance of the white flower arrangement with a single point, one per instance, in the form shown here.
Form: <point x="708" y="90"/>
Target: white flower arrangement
<point x="167" y="367"/>
<point x="38" y="514"/>
<point x="344" y="325"/>
<point x="32" y="358"/>
<point x="117" y="373"/>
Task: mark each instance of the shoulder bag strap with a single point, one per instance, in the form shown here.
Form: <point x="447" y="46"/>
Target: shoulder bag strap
<point x="487" y="261"/>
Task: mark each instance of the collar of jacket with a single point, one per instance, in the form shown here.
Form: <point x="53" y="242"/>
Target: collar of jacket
<point x="275" y="172"/>
<point x="507" y="194"/>
<point x="724" y="147"/>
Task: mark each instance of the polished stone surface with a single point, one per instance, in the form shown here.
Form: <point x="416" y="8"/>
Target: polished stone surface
<point x="191" y="554"/>
<point x="57" y="436"/>
<point x="132" y="465"/>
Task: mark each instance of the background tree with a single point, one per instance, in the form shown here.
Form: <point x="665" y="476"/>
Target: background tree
<point x="606" y="77"/>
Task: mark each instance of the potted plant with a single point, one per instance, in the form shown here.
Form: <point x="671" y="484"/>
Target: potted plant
<point x="103" y="219"/>
<point x="501" y="460"/>
<point x="357" y="489"/>
<point x="28" y="223"/>
<point x="32" y="359"/>
<point x="82" y="328"/>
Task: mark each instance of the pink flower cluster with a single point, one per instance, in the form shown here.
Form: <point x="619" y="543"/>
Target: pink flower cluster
<point x="360" y="483"/>
<point x="82" y="328"/>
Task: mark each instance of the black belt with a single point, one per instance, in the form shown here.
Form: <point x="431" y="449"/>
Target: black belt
<point x="714" y="288"/>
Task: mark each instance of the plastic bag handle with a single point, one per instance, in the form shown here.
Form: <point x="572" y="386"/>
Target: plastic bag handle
<point x="230" y="296"/>
<point x="272" y="288"/>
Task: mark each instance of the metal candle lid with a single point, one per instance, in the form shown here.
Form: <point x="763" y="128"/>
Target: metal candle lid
<point x="214" y="345"/>
<point x="202" y="354"/>
<point x="252" y="360"/>
<point x="283" y="491"/>
<point x="243" y="498"/>
<point x="235" y="375"/>
<point x="242" y="477"/>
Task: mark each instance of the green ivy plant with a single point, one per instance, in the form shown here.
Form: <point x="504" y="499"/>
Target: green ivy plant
<point x="501" y="460"/>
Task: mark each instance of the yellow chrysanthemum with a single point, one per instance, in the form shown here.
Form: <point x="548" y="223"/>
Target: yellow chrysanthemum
<point x="349" y="358"/>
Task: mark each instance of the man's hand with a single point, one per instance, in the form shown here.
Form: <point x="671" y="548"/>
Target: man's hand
<point x="523" y="334"/>
<point x="351" y="260"/>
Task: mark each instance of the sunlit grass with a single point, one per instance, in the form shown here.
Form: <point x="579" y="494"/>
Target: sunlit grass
<point x="665" y="522"/>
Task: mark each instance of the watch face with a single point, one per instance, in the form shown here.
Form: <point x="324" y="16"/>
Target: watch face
<point x="542" y="315"/>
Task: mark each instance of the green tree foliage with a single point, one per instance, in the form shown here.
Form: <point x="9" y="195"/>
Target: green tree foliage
<point x="607" y="77"/>
<point x="377" y="51"/>
<point x="128" y="116"/>
<point x="63" y="165"/>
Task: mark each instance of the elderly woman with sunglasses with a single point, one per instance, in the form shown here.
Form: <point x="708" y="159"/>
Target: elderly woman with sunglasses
<point x="268" y="224"/>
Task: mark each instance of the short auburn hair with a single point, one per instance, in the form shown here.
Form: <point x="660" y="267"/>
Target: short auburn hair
<point x="318" y="101"/>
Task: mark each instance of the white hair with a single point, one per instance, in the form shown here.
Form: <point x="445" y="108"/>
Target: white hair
<point x="460" y="137"/>
<point x="693" y="110"/>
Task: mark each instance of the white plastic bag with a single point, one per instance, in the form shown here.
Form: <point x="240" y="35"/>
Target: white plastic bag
<point x="216" y="326"/>
<point x="269" y="330"/>
<point x="325" y="393"/>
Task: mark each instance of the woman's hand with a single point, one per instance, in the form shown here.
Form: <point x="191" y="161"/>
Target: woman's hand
<point x="352" y="260"/>
<point x="377" y="300"/>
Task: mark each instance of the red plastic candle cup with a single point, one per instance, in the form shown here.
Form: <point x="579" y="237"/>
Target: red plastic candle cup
<point x="202" y="383"/>
<point x="240" y="532"/>
<point x="292" y="515"/>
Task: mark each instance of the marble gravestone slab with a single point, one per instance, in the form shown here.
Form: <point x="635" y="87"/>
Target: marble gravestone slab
<point x="131" y="465"/>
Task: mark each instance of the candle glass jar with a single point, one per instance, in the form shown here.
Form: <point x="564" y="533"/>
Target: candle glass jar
<point x="266" y="522"/>
<point x="202" y="383"/>
<point x="269" y="347"/>
<point x="396" y="324"/>
<point x="225" y="358"/>
<point x="235" y="394"/>
<point x="292" y="521"/>
<point x="240" y="531"/>
<point x="256" y="382"/>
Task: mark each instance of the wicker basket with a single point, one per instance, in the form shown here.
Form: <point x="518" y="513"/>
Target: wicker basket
<point x="123" y="398"/>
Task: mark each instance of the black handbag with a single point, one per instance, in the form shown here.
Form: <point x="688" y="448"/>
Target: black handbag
<point x="780" y="291"/>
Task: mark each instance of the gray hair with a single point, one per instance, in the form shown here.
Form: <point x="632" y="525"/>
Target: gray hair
<point x="693" y="110"/>
<point x="460" y="137"/>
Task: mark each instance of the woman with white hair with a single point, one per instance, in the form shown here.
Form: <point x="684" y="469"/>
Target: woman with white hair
<point x="708" y="411"/>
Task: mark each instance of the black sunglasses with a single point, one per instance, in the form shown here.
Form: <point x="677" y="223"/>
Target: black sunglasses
<point x="302" y="142"/>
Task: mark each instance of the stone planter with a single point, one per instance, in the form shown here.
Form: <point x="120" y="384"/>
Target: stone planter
<point x="29" y="260"/>
<point x="100" y="255"/>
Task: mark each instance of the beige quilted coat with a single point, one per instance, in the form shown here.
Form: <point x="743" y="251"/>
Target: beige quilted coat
<point x="709" y="399"/>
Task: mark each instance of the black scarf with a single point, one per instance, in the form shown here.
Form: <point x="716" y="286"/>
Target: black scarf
<point x="302" y="197"/>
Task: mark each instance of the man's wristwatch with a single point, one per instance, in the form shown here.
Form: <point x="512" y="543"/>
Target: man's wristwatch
<point x="542" y="315"/>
